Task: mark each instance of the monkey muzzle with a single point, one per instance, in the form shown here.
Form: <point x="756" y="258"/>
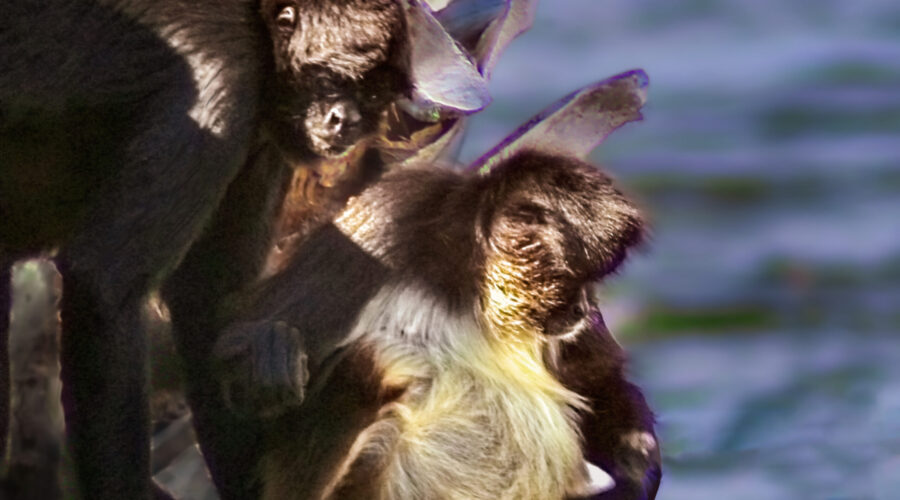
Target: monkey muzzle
<point x="332" y="127"/>
<point x="572" y="316"/>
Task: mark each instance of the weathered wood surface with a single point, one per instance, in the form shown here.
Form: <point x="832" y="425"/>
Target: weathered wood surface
<point x="36" y="418"/>
<point x="36" y="466"/>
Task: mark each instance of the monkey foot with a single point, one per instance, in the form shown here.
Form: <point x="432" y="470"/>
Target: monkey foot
<point x="264" y="367"/>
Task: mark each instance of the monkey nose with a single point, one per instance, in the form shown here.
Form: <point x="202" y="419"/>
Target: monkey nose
<point x="334" y="120"/>
<point x="338" y="118"/>
<point x="331" y="126"/>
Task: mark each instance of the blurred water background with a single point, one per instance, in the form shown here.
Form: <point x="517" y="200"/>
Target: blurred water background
<point x="763" y="319"/>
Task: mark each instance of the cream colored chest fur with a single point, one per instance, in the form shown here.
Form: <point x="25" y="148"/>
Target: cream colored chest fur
<point x="480" y="419"/>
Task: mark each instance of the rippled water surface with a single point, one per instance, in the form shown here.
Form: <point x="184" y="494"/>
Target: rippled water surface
<point x="764" y="318"/>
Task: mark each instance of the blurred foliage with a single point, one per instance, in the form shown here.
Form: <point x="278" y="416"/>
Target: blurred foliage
<point x="662" y="321"/>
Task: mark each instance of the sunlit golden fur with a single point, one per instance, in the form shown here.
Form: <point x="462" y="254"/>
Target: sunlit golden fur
<point x="481" y="417"/>
<point x="515" y="300"/>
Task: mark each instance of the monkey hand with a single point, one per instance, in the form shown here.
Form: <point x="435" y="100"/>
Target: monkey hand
<point x="635" y="466"/>
<point x="263" y="367"/>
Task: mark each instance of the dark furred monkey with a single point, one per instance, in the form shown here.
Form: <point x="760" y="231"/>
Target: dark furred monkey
<point x="444" y="327"/>
<point x="123" y="126"/>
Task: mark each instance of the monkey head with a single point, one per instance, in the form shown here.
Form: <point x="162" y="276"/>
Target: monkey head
<point x="524" y="244"/>
<point x="339" y="64"/>
<point x="553" y="226"/>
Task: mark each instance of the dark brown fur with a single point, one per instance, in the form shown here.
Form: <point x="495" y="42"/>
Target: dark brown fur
<point x="593" y="365"/>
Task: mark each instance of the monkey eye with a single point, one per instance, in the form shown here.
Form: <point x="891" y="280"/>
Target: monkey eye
<point x="287" y="17"/>
<point x="577" y="311"/>
<point x="580" y="306"/>
<point x="566" y="318"/>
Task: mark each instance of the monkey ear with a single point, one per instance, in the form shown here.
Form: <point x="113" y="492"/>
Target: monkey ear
<point x="576" y="124"/>
<point x="444" y="79"/>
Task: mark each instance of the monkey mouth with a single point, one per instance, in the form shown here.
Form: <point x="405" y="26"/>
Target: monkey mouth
<point x="305" y="140"/>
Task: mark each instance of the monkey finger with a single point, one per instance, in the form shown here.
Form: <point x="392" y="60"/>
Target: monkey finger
<point x="272" y="400"/>
<point x="235" y="371"/>
<point x="300" y="372"/>
<point x="271" y="404"/>
<point x="275" y="373"/>
<point x="272" y="353"/>
<point x="234" y="343"/>
<point x="287" y="359"/>
<point x="297" y="362"/>
<point x="237" y="396"/>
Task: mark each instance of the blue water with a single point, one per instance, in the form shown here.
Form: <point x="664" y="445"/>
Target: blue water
<point x="763" y="317"/>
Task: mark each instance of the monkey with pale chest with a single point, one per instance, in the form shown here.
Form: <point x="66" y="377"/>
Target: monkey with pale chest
<point x="442" y="340"/>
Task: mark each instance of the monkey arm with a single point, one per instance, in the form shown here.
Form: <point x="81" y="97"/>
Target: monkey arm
<point x="618" y="431"/>
<point x="289" y="330"/>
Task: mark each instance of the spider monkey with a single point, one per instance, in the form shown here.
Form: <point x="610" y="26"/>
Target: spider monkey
<point x="127" y="130"/>
<point x="438" y="340"/>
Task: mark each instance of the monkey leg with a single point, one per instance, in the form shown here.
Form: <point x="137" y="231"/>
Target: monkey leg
<point x="173" y="175"/>
<point x="104" y="389"/>
<point x="618" y="431"/>
<point x="229" y="255"/>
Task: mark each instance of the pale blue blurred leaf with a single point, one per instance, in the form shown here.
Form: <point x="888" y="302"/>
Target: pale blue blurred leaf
<point x="467" y="19"/>
<point x="445" y="80"/>
<point x="577" y="123"/>
<point x="518" y="18"/>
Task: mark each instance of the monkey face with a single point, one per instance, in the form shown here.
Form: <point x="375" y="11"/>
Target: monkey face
<point x="338" y="65"/>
